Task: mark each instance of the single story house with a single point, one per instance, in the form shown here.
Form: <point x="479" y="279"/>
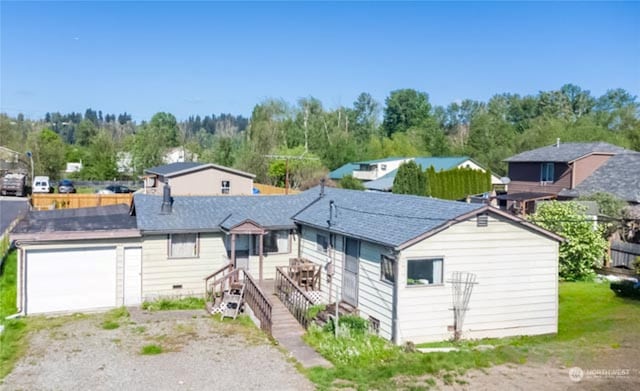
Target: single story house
<point x="390" y="256"/>
<point x="393" y="257"/>
<point x="368" y="170"/>
<point x="197" y="179"/>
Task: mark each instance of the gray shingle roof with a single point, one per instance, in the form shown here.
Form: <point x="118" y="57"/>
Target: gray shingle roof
<point x="385" y="218"/>
<point x="172" y="168"/>
<point x="620" y="176"/>
<point x="565" y="152"/>
<point x="211" y="213"/>
<point x="102" y="218"/>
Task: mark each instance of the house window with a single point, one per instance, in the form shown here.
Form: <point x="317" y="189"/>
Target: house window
<point x="374" y="325"/>
<point x="383" y="167"/>
<point x="352" y="252"/>
<point x="321" y="243"/>
<point x="546" y="172"/>
<point x="183" y="245"/>
<point x="225" y="187"/>
<point x="424" y="271"/>
<point x="386" y="269"/>
<point x="276" y="242"/>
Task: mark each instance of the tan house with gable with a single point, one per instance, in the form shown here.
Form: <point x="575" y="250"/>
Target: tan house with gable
<point x="197" y="179"/>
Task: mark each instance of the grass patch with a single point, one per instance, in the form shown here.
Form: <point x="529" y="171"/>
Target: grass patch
<point x="110" y="325"/>
<point x="8" y="293"/>
<point x="165" y="304"/>
<point x="152" y="349"/>
<point x="591" y="320"/>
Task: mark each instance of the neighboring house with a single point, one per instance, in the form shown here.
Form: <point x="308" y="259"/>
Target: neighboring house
<point x="179" y="155"/>
<point x="124" y="162"/>
<point x="368" y="170"/>
<point x="619" y="176"/>
<point x="544" y="172"/>
<point x="390" y="256"/>
<point x="438" y="163"/>
<point x="189" y="178"/>
<point x="73" y="167"/>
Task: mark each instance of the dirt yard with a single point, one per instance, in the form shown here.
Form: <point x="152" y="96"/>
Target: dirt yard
<point x="198" y="353"/>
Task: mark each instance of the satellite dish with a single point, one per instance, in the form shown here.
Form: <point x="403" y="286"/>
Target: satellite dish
<point x="505" y="180"/>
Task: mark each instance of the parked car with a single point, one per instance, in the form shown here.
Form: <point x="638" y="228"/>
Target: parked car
<point x="66" y="186"/>
<point x="118" y="189"/>
<point x="13" y="184"/>
<point x="41" y="185"/>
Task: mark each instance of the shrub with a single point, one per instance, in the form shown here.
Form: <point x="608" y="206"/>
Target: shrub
<point x="349" y="324"/>
<point x="626" y="288"/>
<point x="110" y="325"/>
<point x="584" y="246"/>
<point x="314" y="310"/>
<point x="349" y="182"/>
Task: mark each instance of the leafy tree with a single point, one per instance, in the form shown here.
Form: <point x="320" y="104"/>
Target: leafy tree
<point x="410" y="179"/>
<point x="584" y="247"/>
<point x="48" y="153"/>
<point x="101" y="163"/>
<point x="365" y="112"/>
<point x="164" y="127"/>
<point x="303" y="168"/>
<point x="349" y="182"/>
<point x="85" y="132"/>
<point x="405" y="109"/>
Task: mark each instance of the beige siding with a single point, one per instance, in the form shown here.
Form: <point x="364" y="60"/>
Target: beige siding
<point x="119" y="244"/>
<point x="207" y="182"/>
<point x="270" y="261"/>
<point x="517" y="290"/>
<point x="374" y="296"/>
<point x="160" y="273"/>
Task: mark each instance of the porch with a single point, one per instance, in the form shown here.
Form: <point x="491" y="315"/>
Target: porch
<point x="274" y="316"/>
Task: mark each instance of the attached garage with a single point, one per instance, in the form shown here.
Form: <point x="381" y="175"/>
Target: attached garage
<point x="76" y="260"/>
<point x="70" y="280"/>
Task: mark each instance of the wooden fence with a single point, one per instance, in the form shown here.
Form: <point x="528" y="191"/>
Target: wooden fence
<point x="624" y="254"/>
<point x="273" y="190"/>
<point x="63" y="201"/>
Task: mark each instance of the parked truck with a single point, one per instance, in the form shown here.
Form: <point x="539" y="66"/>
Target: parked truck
<point x="13" y="184"/>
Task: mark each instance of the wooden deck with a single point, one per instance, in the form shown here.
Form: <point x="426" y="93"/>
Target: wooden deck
<point x="288" y="332"/>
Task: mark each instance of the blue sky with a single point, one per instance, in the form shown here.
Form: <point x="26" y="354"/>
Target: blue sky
<point x="209" y="57"/>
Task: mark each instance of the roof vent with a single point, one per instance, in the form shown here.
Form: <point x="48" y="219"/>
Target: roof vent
<point x="322" y="187"/>
<point x="483" y="220"/>
<point x="167" y="200"/>
<point x="558" y="142"/>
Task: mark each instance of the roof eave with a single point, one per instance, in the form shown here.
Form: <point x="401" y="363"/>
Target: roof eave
<point x="74" y="235"/>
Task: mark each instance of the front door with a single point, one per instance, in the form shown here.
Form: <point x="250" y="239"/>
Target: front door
<point x="243" y="246"/>
<point x="350" y="277"/>
<point x="132" y="276"/>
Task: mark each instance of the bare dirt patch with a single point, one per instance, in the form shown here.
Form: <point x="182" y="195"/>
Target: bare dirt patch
<point x="197" y="353"/>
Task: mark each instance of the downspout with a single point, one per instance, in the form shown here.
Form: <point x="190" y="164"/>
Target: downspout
<point x="20" y="288"/>
<point x="395" y="332"/>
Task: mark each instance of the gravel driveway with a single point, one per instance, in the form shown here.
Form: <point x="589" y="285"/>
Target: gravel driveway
<point x="199" y="353"/>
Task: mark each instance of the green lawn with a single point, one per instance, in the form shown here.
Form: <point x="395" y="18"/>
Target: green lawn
<point x="592" y="320"/>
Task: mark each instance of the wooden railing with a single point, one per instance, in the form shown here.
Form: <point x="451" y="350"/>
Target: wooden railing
<point x="258" y="302"/>
<point x="292" y="296"/>
<point x="217" y="282"/>
<point x="218" y="278"/>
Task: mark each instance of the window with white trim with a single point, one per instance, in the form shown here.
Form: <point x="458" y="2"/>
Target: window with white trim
<point x="183" y="245"/>
<point x="546" y="172"/>
<point x="225" y="187"/>
<point x="424" y="271"/>
<point x="276" y="242"/>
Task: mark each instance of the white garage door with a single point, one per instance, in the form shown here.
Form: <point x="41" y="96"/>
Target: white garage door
<point x="70" y="280"/>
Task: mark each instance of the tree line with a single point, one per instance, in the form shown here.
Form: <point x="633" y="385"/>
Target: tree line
<point x="318" y="139"/>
